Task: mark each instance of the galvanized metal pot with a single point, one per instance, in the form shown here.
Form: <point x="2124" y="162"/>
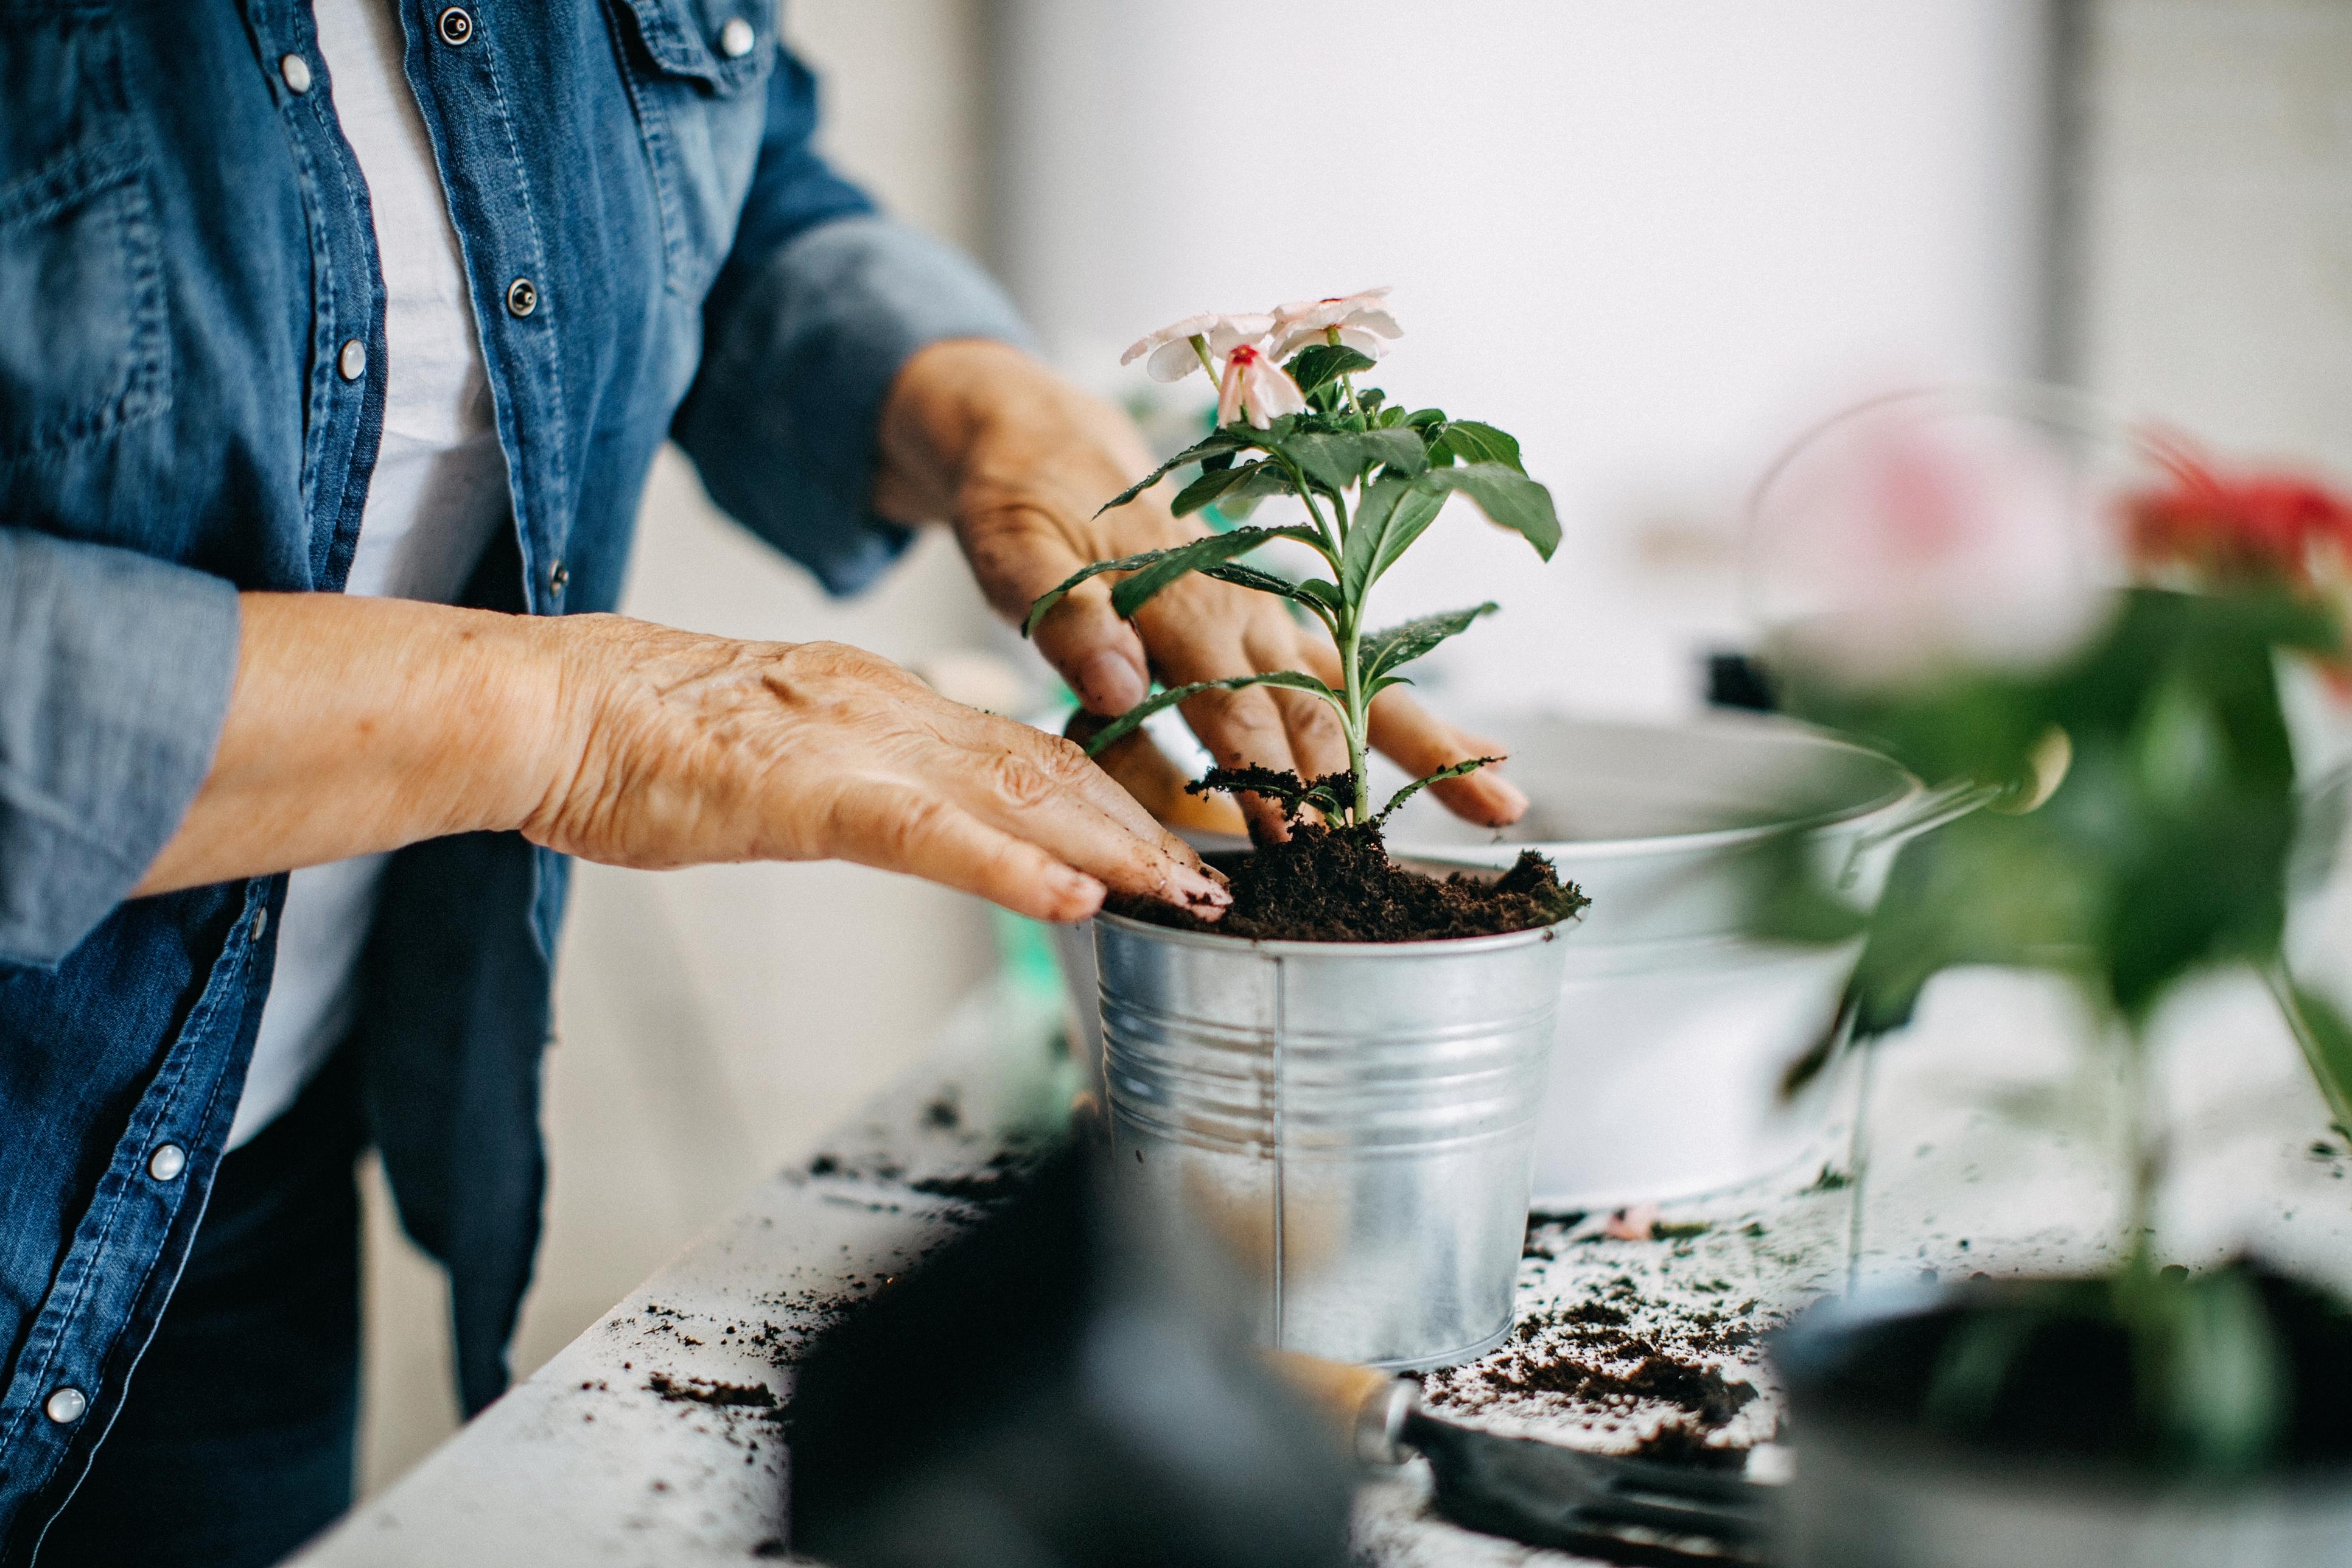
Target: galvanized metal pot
<point x="1355" y="1121"/>
<point x="1865" y="1495"/>
<point x="1680" y="1023"/>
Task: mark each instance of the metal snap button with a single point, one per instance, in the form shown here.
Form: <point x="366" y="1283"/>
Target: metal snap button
<point x="522" y="297"/>
<point x="296" y="72"/>
<point x="457" y="27"/>
<point x="167" y="1162"/>
<point x="558" y="577"/>
<point x="66" y="1406"/>
<point x="735" y="38"/>
<point x="260" y="922"/>
<point x="353" y="361"/>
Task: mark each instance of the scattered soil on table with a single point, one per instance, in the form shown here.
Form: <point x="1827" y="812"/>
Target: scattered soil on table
<point x="1588" y="1354"/>
<point x="1328" y="884"/>
<point x="713" y="1392"/>
<point x="1003" y="1175"/>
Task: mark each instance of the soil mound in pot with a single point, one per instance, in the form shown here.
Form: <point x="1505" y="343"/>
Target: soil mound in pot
<point x="2069" y="1390"/>
<point x="1326" y="884"/>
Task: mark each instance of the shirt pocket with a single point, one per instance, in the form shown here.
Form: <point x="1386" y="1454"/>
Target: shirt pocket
<point x="83" y="341"/>
<point x="698" y="73"/>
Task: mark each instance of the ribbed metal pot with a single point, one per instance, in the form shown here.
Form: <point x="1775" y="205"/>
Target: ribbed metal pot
<point x="1354" y="1121"/>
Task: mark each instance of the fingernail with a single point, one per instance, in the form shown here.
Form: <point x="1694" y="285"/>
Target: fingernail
<point x="1108" y="683"/>
<point x="1083" y="893"/>
<point x="1195" y="891"/>
<point x="1511" y="801"/>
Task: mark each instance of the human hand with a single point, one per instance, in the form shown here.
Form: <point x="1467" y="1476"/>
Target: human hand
<point x="673" y="749"/>
<point x="1022" y="461"/>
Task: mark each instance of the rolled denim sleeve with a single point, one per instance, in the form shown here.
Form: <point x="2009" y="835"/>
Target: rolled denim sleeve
<point x="819" y="304"/>
<point x="115" y="673"/>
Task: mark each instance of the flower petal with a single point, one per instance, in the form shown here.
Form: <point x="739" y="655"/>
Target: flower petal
<point x="1229" y="393"/>
<point x="1172" y="360"/>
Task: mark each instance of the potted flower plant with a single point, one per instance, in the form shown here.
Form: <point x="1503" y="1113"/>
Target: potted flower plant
<point x="2145" y="804"/>
<point x="1342" y="1071"/>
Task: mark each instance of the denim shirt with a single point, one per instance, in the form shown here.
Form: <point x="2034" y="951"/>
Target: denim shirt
<point x="191" y="393"/>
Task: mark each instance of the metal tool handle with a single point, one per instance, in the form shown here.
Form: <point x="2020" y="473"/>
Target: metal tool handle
<point x="1366" y="1407"/>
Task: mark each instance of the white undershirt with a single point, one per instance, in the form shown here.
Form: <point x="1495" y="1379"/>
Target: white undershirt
<point x="438" y="493"/>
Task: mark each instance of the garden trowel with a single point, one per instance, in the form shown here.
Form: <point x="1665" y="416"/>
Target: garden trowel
<point x="1609" y="1506"/>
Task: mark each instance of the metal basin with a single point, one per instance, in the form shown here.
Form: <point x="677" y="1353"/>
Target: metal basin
<point x="1353" y="1120"/>
<point x="1675" y="1026"/>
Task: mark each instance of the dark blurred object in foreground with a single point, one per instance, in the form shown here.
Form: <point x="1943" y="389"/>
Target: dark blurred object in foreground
<point x="1735" y="681"/>
<point x="1047" y="1391"/>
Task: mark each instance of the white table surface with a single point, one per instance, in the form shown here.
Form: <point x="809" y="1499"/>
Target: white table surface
<point x="1986" y="1146"/>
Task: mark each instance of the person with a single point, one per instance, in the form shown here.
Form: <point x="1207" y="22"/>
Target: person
<point x="336" y="338"/>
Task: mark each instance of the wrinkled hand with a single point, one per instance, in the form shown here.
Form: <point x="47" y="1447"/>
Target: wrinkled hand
<point x="675" y="749"/>
<point x="1021" y="461"/>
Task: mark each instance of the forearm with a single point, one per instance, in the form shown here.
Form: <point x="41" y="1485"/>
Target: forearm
<point x="359" y="724"/>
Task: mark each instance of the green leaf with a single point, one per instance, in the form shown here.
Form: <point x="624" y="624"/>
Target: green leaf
<point x="1217" y="443"/>
<point x="1392" y="513"/>
<point x="1471" y="766"/>
<point x="1243" y="482"/>
<point x="2211" y="1372"/>
<point x="2326" y="1038"/>
<point x="1167" y="565"/>
<point x="1507" y="497"/>
<point x="1267" y="583"/>
<point x="1421" y="419"/>
<point x="1055" y="594"/>
<point x="1127" y="722"/>
<point x="1383" y="651"/>
<point x="1337" y="460"/>
<point x="1225" y="548"/>
<point x="1473" y="442"/>
<point x="1323" y="364"/>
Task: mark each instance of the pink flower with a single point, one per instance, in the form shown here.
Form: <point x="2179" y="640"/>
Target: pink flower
<point x="1638" y="1223"/>
<point x="1178" y="349"/>
<point x="1914" y="538"/>
<point x="1361" y="320"/>
<point x="1256" y="382"/>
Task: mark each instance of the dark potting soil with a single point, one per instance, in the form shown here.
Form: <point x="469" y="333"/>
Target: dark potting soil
<point x="2069" y="1391"/>
<point x="1327" y="884"/>
<point x="1681" y="1442"/>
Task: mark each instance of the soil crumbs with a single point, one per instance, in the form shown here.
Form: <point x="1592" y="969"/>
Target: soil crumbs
<point x="1339" y="885"/>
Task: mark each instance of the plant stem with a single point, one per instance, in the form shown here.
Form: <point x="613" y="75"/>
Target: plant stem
<point x="2144" y="1149"/>
<point x="1331" y="336"/>
<point x="1200" y="347"/>
<point x="1351" y="642"/>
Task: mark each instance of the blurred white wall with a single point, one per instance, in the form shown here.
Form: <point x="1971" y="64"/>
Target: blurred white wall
<point x="1648" y="239"/>
<point x="2220" y="222"/>
<point x="712" y="1023"/>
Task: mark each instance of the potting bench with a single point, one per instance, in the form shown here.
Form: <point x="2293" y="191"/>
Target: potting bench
<point x="653" y="1439"/>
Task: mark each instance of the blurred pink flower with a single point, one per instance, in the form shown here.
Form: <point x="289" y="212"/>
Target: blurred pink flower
<point x="1918" y="545"/>
<point x="1174" y="356"/>
<point x="1361" y="320"/>
<point x="1637" y="1223"/>
<point x="1255" y="382"/>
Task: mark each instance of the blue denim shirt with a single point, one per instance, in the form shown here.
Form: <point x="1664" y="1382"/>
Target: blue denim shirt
<point x="185" y="251"/>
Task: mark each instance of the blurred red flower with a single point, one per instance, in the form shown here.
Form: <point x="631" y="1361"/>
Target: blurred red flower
<point x="2230" y="527"/>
